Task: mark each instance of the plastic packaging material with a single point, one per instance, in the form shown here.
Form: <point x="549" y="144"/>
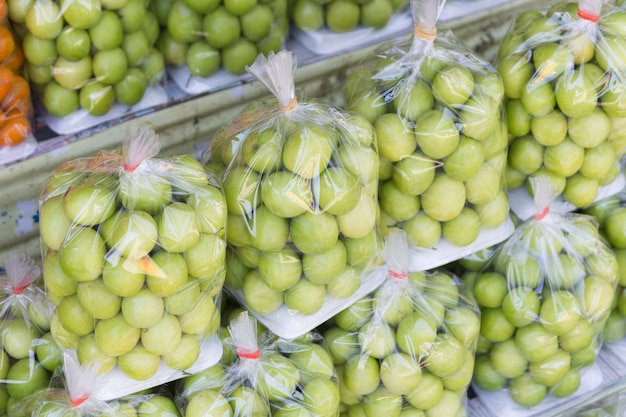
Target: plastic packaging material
<point x="269" y="376"/>
<point x="133" y="253"/>
<point x="343" y="16"/>
<point x="219" y="37"/>
<point x="408" y="347"/>
<point x="28" y="355"/>
<point x="300" y="180"/>
<point x="15" y="101"/>
<point x="564" y="74"/>
<point x="545" y="298"/>
<point x="70" y="395"/>
<point x="441" y="130"/>
<point x="610" y="214"/>
<point x="89" y="57"/>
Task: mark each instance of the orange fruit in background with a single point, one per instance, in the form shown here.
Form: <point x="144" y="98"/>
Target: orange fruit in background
<point x="15" y="130"/>
<point x="15" y="60"/>
<point x="18" y="97"/>
<point x="6" y="80"/>
<point x="7" y="43"/>
<point x="3" y="118"/>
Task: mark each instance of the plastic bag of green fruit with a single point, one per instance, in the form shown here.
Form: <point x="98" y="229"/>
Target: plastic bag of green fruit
<point x="300" y="179"/>
<point x="70" y="395"/>
<point x="610" y="214"/>
<point x="564" y="73"/>
<point x="208" y="44"/>
<point x="269" y="376"/>
<point x="133" y="250"/>
<point x="441" y="129"/>
<point x="90" y="61"/>
<point x="28" y="354"/>
<point x="408" y="347"/>
<point x="545" y="297"/>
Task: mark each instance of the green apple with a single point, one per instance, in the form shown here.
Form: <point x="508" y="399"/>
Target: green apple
<point x="453" y="86"/>
<point x="27" y="377"/>
<point x="361" y="374"/>
<point x="149" y="193"/>
<point x="494" y="325"/>
<point x="87" y="350"/>
<point x="580" y="191"/>
<point x="324" y="267"/>
<point x="411" y="103"/>
<point x="108" y="31"/>
<point x="415" y="331"/>
<point x="96" y="98"/>
<point x="238" y="55"/>
<point x="526" y="392"/>
<point x="138" y="363"/>
<point x="259" y="297"/>
<point x="422" y="231"/>
<point x="342" y="16"/>
<point x="507" y="359"/>
<point x="486" y="377"/>
<point x="142" y="310"/>
<point x="360" y="221"/>
<point x="463" y="163"/>
<point x="463" y="229"/>
<point x="305" y="297"/>
<point x="428" y="394"/>
<point x="314" y="232"/>
<point x="395" y="141"/>
<point x="44" y="19"/>
<point x="576" y="94"/>
<point x="361" y="161"/>
<point x="436" y="134"/>
<point x="339" y="191"/>
<point x="163" y="336"/>
<point x="444" y="199"/>
<point x="280" y="270"/>
<point x="169" y="273"/>
<point x="178" y="227"/>
<point x="131" y="88"/>
<point x="538" y="98"/>
<point x="516" y="71"/>
<point x="397" y="204"/>
<point x="550" y="129"/>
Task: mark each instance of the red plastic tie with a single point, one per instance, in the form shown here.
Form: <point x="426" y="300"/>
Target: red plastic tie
<point x="592" y="17"/>
<point x="543" y="214"/>
<point x="20" y="289"/>
<point x="78" y="401"/>
<point x="399" y="275"/>
<point x="247" y="354"/>
<point x="130" y="168"/>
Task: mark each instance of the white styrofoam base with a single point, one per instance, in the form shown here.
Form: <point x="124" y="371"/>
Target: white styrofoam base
<point x="421" y="259"/>
<point x="523" y="205"/>
<point x="499" y="403"/>
<point x="10" y="154"/>
<point x="81" y="120"/>
<point x="325" y="41"/>
<point x="193" y="85"/>
<point x="289" y="324"/>
<point x="116" y="384"/>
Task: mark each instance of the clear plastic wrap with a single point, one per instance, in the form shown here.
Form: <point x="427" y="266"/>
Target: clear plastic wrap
<point x="441" y="132"/>
<point x="408" y="347"/>
<point x="207" y="45"/>
<point x="71" y="397"/>
<point x="564" y="73"/>
<point x="610" y="214"/>
<point x="300" y="179"/>
<point x="87" y="60"/>
<point x="29" y="355"/>
<point x="545" y="298"/>
<point x="269" y="376"/>
<point x="133" y="251"/>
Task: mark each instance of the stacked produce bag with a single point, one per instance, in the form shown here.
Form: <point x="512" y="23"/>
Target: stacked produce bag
<point x="207" y="36"/>
<point x="437" y="111"/>
<point x="564" y="73"/>
<point x="342" y="16"/>
<point x="133" y="250"/>
<point x="300" y="179"/>
<point x="29" y="355"/>
<point x="544" y="298"/>
<point x="408" y="347"/>
<point x="83" y="57"/>
<point x="268" y="377"/>
<point x="70" y="395"/>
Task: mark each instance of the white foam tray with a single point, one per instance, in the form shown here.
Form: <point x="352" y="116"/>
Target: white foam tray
<point x="523" y="205"/>
<point x="289" y="324"/>
<point x="421" y="259"/>
<point x="10" y="154"/>
<point x="81" y="120"/>
<point x="192" y="84"/>
<point x="116" y="384"/>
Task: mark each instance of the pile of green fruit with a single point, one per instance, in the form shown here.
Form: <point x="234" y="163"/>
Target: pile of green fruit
<point x="545" y="297"/>
<point x="342" y="16"/>
<point x="611" y="216"/>
<point x="28" y="353"/>
<point x="301" y="191"/>
<point x="437" y="111"/>
<point x="88" y="54"/>
<point x="268" y="377"/>
<point x="406" y="349"/>
<point x="209" y="35"/>
<point x="564" y="80"/>
<point x="133" y="259"/>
